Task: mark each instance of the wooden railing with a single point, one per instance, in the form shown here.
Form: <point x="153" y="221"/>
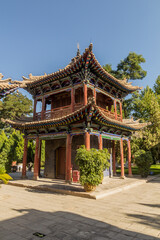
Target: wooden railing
<point x="56" y="112"/>
<point x="78" y="106"/>
<point x="111" y="114"/>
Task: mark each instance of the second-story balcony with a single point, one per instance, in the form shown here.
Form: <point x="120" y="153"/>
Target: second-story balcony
<point x="56" y="112"/>
<point x="111" y="114"/>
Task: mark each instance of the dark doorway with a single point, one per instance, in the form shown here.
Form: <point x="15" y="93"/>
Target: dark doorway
<point x="60" y="162"/>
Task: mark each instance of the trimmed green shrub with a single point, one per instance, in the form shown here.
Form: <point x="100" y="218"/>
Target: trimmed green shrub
<point x="91" y="164"/>
<point x="4" y="177"/>
<point x="143" y="161"/>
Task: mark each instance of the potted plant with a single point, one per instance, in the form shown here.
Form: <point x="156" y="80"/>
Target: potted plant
<point x="91" y="164"/>
<point x="143" y="161"/>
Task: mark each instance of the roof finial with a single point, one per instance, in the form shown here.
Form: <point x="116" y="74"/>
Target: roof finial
<point x="78" y="51"/>
<point x="90" y="47"/>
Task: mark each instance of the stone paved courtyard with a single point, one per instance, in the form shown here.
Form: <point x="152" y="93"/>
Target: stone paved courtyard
<point x="130" y="214"/>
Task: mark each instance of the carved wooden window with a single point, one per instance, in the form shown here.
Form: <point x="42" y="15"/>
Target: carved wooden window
<point x="39" y="106"/>
<point x="104" y="101"/>
<point x="79" y="95"/>
<point x="89" y="93"/>
<point x="48" y="104"/>
<point x="61" y="100"/>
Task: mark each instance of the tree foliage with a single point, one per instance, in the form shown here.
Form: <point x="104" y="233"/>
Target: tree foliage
<point x="14" y="105"/>
<point x="92" y="163"/>
<point x="145" y="106"/>
<point x="156" y="86"/>
<point x="143" y="161"/>
<point x="129" y="68"/>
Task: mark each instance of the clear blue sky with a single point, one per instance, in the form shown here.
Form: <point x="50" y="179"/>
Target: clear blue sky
<point x="38" y="36"/>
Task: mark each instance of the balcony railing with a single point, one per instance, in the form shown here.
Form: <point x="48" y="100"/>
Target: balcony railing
<point x="56" y="112"/>
<point x="111" y="114"/>
<point x="63" y="111"/>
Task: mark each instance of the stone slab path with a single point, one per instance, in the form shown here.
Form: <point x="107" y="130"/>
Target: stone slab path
<point x="130" y="214"/>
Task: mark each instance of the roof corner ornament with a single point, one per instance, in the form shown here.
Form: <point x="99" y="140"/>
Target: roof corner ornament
<point x="90" y="47"/>
<point x="7" y="80"/>
<point x="1" y="76"/>
<point x="78" y="51"/>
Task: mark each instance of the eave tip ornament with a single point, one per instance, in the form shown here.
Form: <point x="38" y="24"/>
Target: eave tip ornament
<point x="90" y="47"/>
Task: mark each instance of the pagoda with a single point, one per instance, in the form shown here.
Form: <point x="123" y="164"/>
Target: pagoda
<point x="78" y="105"/>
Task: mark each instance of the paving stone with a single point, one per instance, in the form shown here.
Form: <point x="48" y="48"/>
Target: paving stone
<point x="128" y="215"/>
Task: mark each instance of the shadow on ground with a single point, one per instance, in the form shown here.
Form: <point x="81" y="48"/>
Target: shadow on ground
<point x="148" y="219"/>
<point x="61" y="225"/>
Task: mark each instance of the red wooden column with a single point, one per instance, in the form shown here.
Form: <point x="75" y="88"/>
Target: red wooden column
<point x="72" y="99"/>
<point x="34" y="110"/>
<point x="36" y="160"/>
<point x="122" y="158"/>
<point x="68" y="157"/>
<point x="87" y="140"/>
<point x="114" y="158"/>
<point x="85" y="94"/>
<point x="39" y="156"/>
<point x="43" y="108"/>
<point x="24" y="158"/>
<point x="115" y="108"/>
<point x="100" y="142"/>
<point x="120" y="107"/>
<point x="95" y="95"/>
<point x="129" y="158"/>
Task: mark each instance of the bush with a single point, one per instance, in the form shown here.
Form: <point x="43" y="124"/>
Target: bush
<point x="91" y="164"/>
<point x="4" y="177"/>
<point x="143" y="161"/>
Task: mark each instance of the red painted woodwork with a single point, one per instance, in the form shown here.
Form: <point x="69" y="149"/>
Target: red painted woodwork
<point x="34" y="110"/>
<point x="68" y="157"/>
<point x="24" y="158"/>
<point x="72" y="100"/>
<point x="95" y="94"/>
<point x="108" y="113"/>
<point x="85" y="94"/>
<point x="36" y="160"/>
<point x="39" y="155"/>
<point x="43" y="108"/>
<point x="122" y="158"/>
<point x="114" y="158"/>
<point x="129" y="158"/>
<point x="121" y="116"/>
<point x="60" y="163"/>
<point x="115" y="108"/>
<point x="87" y="140"/>
<point x="100" y="142"/>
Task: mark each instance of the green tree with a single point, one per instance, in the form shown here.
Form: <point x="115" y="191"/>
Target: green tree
<point x="12" y="149"/>
<point x="129" y="68"/>
<point x="156" y="86"/>
<point x="30" y="151"/>
<point x="146" y="108"/>
<point x="14" y="105"/>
